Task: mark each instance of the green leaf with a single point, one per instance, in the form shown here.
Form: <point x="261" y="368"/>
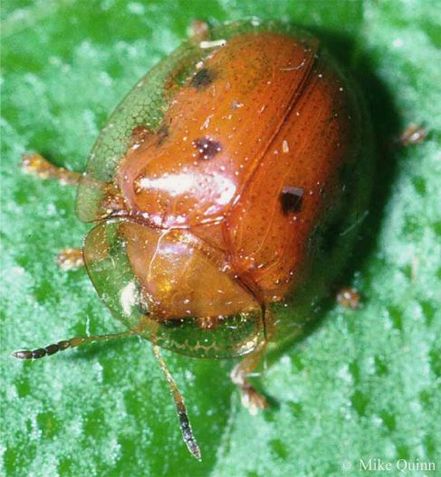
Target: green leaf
<point x="363" y="384"/>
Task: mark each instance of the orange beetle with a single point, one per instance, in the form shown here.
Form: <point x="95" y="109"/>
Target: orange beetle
<point x="228" y="180"/>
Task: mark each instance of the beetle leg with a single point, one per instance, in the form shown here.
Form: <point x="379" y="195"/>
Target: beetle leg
<point x="251" y="399"/>
<point x="70" y="259"/>
<point x="413" y="134"/>
<point x="37" y="165"/>
<point x="70" y="343"/>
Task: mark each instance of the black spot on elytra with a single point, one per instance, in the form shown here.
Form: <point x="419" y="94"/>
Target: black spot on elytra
<point x="202" y="78"/>
<point x="207" y="147"/>
<point x="291" y="199"/>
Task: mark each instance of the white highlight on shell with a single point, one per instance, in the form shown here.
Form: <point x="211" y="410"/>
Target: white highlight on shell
<point x="128" y="298"/>
<point x="182" y="183"/>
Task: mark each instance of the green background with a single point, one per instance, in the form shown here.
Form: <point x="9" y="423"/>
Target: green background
<point x="362" y="384"/>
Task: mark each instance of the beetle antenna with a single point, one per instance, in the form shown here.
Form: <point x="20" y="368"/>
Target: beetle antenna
<point x="70" y="343"/>
<point x="184" y="422"/>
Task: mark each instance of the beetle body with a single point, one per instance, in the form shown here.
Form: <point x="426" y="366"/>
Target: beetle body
<point x="227" y="184"/>
<point x="214" y="183"/>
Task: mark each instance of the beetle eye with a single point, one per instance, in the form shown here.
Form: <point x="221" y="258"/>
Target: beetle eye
<point x="202" y="78"/>
<point x="163" y="285"/>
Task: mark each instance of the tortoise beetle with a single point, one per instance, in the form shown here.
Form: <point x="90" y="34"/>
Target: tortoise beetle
<point x="225" y="191"/>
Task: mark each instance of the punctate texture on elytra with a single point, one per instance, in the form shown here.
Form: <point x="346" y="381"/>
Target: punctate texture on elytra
<point x="215" y="183"/>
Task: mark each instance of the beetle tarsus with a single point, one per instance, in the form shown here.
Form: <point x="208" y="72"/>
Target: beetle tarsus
<point x="250" y="398"/>
<point x="70" y="259"/>
<point x="39" y="166"/>
<point x="413" y="134"/>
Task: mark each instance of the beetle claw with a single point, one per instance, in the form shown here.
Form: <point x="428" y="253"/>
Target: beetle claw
<point x="70" y="259"/>
<point x="250" y="398"/>
<point x="253" y="401"/>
